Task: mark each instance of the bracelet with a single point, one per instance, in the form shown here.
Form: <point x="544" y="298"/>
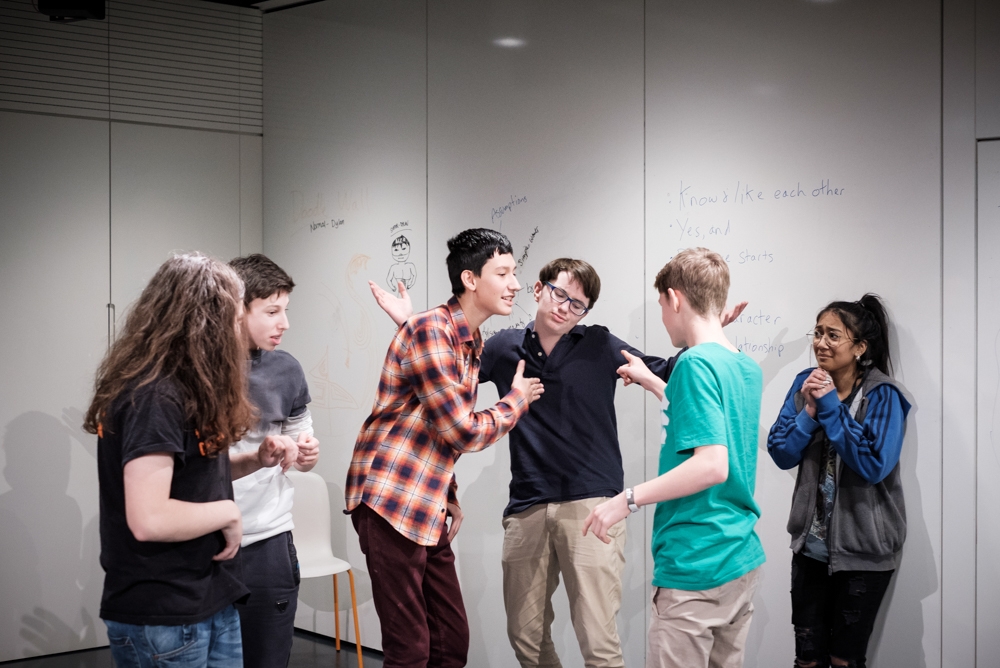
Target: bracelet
<point x="630" y="500"/>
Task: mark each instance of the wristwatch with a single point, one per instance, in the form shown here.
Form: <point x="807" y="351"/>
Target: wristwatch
<point x="630" y="500"/>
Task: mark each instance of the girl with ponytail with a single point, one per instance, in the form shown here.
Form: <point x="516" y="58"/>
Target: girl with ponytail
<point x="842" y="425"/>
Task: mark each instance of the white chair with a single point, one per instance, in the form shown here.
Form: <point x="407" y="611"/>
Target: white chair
<point x="311" y="514"/>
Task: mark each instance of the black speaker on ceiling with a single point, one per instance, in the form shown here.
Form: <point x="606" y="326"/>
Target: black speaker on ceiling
<point x="72" y="10"/>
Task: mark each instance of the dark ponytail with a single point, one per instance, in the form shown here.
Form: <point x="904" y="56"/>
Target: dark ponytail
<point x="866" y="320"/>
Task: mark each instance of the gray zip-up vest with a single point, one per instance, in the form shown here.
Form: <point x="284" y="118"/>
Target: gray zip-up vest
<point x="868" y="524"/>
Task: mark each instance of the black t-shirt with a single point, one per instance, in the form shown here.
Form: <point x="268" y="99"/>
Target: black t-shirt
<point x="149" y="583"/>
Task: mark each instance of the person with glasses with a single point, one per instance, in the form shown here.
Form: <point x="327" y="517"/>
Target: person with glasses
<point x="842" y="425"/>
<point x="565" y="460"/>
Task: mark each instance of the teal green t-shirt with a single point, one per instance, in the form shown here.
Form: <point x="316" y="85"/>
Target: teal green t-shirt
<point x="707" y="539"/>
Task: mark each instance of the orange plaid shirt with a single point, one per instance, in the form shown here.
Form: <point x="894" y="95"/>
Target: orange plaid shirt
<point x="424" y="417"/>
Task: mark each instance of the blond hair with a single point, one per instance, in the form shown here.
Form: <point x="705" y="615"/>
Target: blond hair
<point x="701" y="275"/>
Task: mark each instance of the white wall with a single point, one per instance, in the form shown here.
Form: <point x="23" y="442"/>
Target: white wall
<point x="363" y="137"/>
<point x="345" y="158"/>
<point x="384" y="113"/>
<point x="85" y="219"/>
<point x="54" y="258"/>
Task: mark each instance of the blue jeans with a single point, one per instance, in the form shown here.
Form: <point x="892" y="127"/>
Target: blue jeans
<point x="214" y="643"/>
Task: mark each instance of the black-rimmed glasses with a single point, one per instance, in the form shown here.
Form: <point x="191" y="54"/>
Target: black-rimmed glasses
<point x="576" y="307"/>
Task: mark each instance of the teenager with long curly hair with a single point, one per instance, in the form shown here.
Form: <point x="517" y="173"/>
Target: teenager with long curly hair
<point x="169" y="399"/>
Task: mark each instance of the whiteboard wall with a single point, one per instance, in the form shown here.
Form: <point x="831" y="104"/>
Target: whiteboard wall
<point x="988" y="358"/>
<point x="344" y="164"/>
<point x="801" y="140"/>
<point x="54" y="258"/>
<point x="88" y="211"/>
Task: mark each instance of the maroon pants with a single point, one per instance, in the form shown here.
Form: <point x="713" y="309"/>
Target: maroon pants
<point x="416" y="594"/>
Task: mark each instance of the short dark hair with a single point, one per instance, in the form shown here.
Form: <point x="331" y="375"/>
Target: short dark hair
<point x="400" y="240"/>
<point x="584" y="274"/>
<point x="261" y="277"/>
<point x="471" y="250"/>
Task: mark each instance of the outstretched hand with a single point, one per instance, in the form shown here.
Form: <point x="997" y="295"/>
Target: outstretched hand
<point x="398" y="308"/>
<point x="733" y="313"/>
<point x="635" y="371"/>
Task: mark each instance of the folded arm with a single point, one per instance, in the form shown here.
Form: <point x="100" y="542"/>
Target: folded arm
<point x="153" y="516"/>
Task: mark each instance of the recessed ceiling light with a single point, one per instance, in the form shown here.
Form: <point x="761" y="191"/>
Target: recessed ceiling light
<point x="509" y="42"/>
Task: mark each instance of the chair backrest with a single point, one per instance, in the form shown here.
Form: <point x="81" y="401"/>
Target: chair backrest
<point x="311" y="515"/>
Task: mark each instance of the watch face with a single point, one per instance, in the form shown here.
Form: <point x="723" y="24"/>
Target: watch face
<point x="630" y="500"/>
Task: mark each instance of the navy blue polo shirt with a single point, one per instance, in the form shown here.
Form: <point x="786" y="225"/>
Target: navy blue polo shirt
<point x="565" y="447"/>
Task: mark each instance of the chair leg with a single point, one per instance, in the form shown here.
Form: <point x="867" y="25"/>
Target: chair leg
<point x="336" y="613"/>
<point x="357" y="628"/>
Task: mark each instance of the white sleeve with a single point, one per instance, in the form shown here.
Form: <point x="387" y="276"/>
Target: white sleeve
<point x="293" y="426"/>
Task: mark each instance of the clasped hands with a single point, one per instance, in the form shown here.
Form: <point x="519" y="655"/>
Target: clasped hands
<point x="282" y="450"/>
<point x="817" y="384"/>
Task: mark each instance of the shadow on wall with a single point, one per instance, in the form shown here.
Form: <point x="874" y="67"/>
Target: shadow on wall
<point x="773" y="363"/>
<point x="759" y="623"/>
<point x="478" y="555"/>
<point x="47" y="558"/>
<point x="902" y="614"/>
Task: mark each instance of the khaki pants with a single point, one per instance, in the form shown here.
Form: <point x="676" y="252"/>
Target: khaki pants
<point x="701" y="629"/>
<point x="538" y="544"/>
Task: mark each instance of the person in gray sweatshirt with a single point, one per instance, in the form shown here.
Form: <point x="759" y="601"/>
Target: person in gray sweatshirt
<point x="842" y="424"/>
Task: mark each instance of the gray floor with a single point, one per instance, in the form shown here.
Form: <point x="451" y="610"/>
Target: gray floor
<point x="308" y="650"/>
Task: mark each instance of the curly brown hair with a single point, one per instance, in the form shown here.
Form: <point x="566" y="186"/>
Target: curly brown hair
<point x="184" y="327"/>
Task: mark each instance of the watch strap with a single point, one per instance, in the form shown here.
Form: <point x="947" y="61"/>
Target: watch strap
<point x="630" y="500"/>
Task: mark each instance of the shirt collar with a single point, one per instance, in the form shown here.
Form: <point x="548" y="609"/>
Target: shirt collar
<point x="465" y="336"/>
<point x="577" y="331"/>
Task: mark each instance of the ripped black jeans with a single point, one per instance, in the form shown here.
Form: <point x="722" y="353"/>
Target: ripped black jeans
<point x="833" y="615"/>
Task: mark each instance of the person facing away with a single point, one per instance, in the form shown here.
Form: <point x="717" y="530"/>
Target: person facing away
<point x="565" y="459"/>
<point x="706" y="554"/>
<point x="842" y="425"/>
<point x="169" y="398"/>
<point x="277" y="388"/>
<point x="401" y="485"/>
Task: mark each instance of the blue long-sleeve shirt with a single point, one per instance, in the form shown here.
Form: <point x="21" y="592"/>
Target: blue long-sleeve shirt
<point x="871" y="448"/>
